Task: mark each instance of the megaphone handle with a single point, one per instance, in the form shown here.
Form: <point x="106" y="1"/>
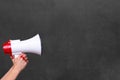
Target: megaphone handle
<point x="16" y="54"/>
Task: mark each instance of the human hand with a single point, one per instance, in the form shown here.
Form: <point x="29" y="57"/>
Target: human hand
<point x="20" y="62"/>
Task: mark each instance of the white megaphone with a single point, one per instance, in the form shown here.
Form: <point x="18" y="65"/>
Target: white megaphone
<point x="15" y="47"/>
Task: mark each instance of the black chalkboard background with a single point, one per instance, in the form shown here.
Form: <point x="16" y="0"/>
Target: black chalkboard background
<point x="80" y="38"/>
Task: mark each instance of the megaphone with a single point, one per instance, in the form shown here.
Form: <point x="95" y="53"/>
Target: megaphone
<point x="15" y="47"/>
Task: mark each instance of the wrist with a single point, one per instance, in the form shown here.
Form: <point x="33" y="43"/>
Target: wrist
<point x="15" y="69"/>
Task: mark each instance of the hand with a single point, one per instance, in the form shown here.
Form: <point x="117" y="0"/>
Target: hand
<point x="20" y="62"/>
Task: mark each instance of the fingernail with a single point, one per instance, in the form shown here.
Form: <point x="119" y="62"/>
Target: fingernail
<point x="23" y="58"/>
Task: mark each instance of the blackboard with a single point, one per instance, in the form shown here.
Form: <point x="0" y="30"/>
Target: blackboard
<point x="80" y="38"/>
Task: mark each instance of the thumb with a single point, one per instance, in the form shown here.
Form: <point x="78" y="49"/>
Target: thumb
<point x="12" y="58"/>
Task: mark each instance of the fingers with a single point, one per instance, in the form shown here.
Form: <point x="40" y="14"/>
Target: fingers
<point x="24" y="57"/>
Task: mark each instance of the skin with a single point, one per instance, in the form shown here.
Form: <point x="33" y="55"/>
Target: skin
<point x="19" y="64"/>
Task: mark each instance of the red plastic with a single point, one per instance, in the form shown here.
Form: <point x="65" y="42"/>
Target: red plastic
<point x="7" y="48"/>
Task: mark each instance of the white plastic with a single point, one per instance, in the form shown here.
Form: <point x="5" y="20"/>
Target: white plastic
<point x="32" y="45"/>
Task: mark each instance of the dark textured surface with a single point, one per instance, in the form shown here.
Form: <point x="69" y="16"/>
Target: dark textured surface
<point x="80" y="38"/>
